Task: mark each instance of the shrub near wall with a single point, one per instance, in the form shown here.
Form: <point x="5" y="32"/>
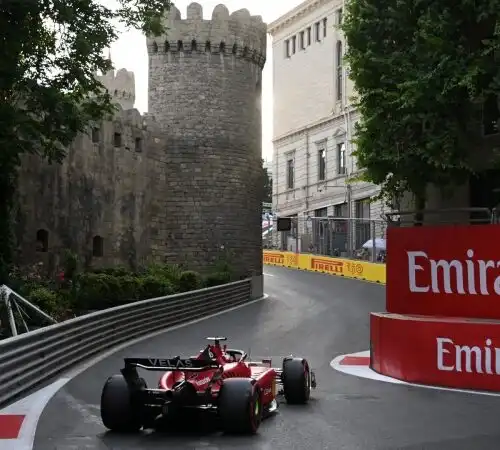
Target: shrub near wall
<point x="104" y="288"/>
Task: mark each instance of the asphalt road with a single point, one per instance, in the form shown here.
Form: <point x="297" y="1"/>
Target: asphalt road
<point x="311" y="315"/>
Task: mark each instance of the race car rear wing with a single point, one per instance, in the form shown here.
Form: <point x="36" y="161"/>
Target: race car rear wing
<point x="170" y="364"/>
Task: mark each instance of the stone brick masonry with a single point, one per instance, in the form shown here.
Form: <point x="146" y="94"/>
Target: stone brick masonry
<point x="181" y="185"/>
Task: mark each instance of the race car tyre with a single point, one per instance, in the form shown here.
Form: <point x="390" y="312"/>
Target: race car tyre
<point x="117" y="410"/>
<point x="296" y="380"/>
<point x="240" y="406"/>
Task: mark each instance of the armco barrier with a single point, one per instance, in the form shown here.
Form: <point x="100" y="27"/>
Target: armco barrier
<point x="34" y="358"/>
<point x="348" y="268"/>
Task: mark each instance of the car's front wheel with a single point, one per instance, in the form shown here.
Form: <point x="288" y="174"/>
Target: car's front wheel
<point x="296" y="380"/>
<point x="118" y="413"/>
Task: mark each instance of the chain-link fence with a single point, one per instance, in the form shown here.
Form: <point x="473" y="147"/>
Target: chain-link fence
<point x="336" y="237"/>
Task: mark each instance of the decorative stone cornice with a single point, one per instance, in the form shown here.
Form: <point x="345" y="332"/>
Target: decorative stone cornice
<point x="295" y="14"/>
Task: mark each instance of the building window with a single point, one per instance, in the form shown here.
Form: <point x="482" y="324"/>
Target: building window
<point x="117" y="140"/>
<point x="322" y="164"/>
<point x="341" y="163"/>
<point x="339" y="58"/>
<point x="95" y="135"/>
<point x="317" y="34"/>
<point x="294" y="45"/>
<point x="491" y="115"/>
<point x="325" y="26"/>
<point x="339" y="16"/>
<point x="97" y="246"/>
<point x="309" y="36"/>
<point x="340" y="210"/>
<point x="290" y="174"/>
<point x="42" y="241"/>
<point x="287" y="48"/>
<point x="302" y="41"/>
<point x="362" y="208"/>
<point x="138" y="145"/>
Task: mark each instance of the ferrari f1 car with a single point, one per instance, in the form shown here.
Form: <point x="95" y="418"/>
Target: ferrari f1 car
<point x="222" y="381"/>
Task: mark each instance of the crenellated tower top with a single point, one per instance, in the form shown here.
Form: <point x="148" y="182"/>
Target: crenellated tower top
<point x="121" y="86"/>
<point x="239" y="34"/>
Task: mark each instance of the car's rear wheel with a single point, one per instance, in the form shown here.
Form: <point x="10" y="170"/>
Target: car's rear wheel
<point x="118" y="412"/>
<point x="296" y="380"/>
<point x="240" y="406"/>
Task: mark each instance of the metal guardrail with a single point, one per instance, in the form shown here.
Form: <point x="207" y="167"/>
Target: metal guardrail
<point x="30" y="359"/>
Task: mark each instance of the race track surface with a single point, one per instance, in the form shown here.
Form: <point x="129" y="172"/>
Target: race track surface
<point x="311" y="315"/>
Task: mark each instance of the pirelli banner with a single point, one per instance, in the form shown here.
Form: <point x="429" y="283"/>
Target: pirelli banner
<point x="333" y="266"/>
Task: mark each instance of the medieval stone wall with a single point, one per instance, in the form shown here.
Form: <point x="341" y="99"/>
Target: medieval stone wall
<point x="183" y="187"/>
<point x="105" y="201"/>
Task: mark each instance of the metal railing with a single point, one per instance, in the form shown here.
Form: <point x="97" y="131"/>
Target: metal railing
<point x="33" y="358"/>
<point x="448" y="216"/>
<point x="362" y="239"/>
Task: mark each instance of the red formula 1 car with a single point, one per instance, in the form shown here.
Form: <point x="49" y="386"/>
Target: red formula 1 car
<point x="219" y="380"/>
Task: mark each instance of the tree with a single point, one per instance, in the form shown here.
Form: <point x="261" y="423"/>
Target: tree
<point x="422" y="70"/>
<point x="267" y="182"/>
<point x="50" y="52"/>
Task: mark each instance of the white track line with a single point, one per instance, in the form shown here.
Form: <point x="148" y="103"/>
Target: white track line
<point x="366" y="372"/>
<point x="33" y="405"/>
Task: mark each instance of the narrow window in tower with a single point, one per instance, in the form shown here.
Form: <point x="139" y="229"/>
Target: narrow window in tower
<point x="287" y="48"/>
<point x="235" y="48"/>
<point x="180" y="46"/>
<point x="325" y="26"/>
<point x="194" y="45"/>
<point x="208" y="46"/>
<point x="42" y="241"/>
<point x="317" y="34"/>
<point x="222" y="47"/>
<point x="95" y="135"/>
<point x="166" y="47"/>
<point x="97" y="246"/>
<point x="309" y="32"/>
<point x="155" y="47"/>
<point x="294" y="44"/>
<point x="138" y="145"/>
<point x="117" y="140"/>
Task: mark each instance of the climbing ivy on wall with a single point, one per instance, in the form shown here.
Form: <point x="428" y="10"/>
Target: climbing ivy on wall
<point x="422" y="71"/>
<point x="49" y="53"/>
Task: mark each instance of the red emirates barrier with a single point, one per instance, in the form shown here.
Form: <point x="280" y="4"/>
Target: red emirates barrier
<point x="444" y="271"/>
<point x="440" y="351"/>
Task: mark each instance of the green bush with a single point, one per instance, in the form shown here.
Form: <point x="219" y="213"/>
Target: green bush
<point x="100" y="291"/>
<point x="155" y="286"/>
<point x="217" y="278"/>
<point x="189" y="281"/>
<point x="108" y="287"/>
<point x="48" y="301"/>
<point x="112" y="271"/>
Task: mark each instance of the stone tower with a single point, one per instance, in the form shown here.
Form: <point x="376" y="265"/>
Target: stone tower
<point x="121" y="86"/>
<point x="205" y="93"/>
